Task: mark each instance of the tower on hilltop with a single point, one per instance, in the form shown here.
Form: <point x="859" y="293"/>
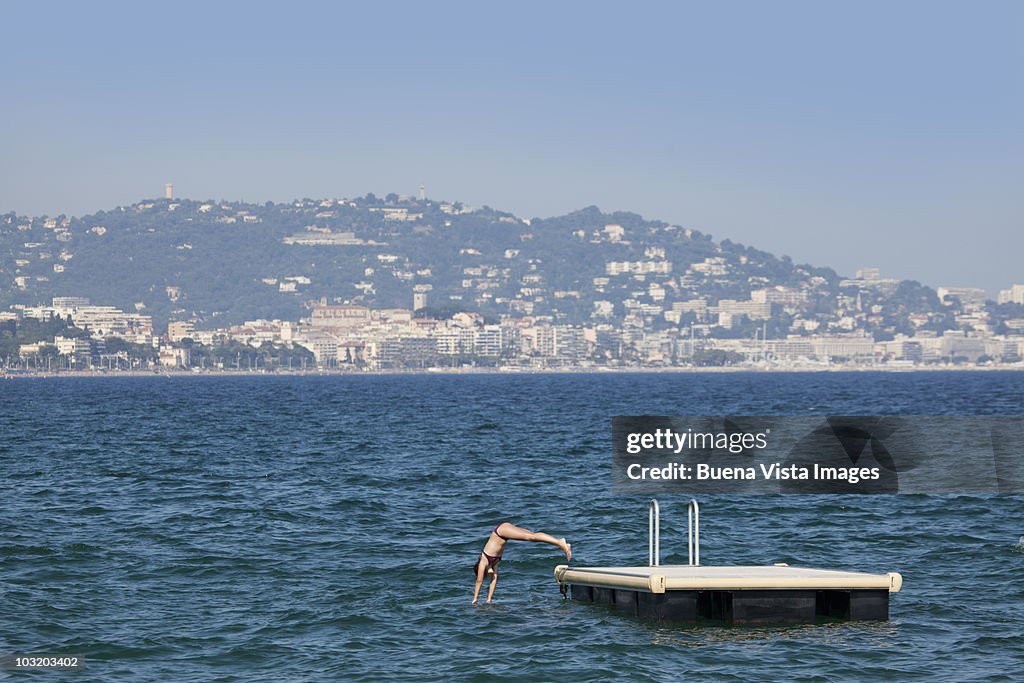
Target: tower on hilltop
<point x="169" y="191"/>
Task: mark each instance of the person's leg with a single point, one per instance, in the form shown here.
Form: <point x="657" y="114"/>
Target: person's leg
<point x="513" y="532"/>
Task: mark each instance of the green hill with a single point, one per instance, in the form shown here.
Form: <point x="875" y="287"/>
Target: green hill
<point x="222" y="262"/>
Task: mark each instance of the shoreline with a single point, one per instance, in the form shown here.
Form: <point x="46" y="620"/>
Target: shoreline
<point x="512" y="372"/>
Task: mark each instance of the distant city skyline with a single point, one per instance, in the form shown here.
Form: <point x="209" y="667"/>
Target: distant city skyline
<point x="874" y="135"/>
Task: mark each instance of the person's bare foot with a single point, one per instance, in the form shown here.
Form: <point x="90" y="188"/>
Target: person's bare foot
<point x="567" y="548"/>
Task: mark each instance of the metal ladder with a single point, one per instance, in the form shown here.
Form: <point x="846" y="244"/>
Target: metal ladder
<point x="654" y="533"/>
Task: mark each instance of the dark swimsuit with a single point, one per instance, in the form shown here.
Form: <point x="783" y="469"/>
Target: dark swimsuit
<point x="494" y="559"/>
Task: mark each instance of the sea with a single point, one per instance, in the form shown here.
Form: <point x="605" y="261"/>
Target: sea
<point x="324" y="528"/>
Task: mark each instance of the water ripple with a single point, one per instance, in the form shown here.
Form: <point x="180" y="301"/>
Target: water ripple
<point x="260" y="529"/>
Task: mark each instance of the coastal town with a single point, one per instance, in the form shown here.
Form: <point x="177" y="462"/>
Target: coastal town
<point x="406" y="283"/>
<point x="358" y="338"/>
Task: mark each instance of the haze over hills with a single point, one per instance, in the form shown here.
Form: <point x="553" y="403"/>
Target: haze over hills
<point x="218" y="263"/>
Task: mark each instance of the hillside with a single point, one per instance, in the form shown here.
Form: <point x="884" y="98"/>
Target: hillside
<point x="218" y="262"/>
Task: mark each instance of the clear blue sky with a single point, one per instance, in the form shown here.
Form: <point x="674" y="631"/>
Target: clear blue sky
<point x="883" y="134"/>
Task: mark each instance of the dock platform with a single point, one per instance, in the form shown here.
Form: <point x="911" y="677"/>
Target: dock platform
<point x="774" y="594"/>
<point x="739" y="595"/>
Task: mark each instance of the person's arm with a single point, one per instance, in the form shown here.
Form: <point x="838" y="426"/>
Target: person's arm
<point x="479" y="582"/>
<point x="490" y="589"/>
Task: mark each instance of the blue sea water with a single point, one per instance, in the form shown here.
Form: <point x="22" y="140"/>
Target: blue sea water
<point x="323" y="528"/>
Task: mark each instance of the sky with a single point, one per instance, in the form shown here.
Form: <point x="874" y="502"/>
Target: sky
<point x="841" y="134"/>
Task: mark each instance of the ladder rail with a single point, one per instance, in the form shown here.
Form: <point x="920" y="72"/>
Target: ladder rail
<point x="693" y="531"/>
<point x="654" y="533"/>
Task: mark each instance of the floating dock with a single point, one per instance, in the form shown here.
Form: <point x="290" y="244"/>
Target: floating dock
<point x="776" y="594"/>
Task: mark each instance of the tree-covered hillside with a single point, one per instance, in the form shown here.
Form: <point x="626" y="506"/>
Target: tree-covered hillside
<point x="219" y="262"/>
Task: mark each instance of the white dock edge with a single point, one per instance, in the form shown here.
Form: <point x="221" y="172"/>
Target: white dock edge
<point x="682" y="577"/>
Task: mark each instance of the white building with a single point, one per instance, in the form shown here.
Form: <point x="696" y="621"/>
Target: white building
<point x="786" y="297"/>
<point x="339" y="318"/>
<point x="843" y="347"/>
<point x="323" y="346"/>
<point x="638" y="267"/>
<point x="1013" y="295"/>
<point x="78" y="348"/>
<point x="968" y="296"/>
<point x="178" y="330"/>
<point x="752" y="309"/>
